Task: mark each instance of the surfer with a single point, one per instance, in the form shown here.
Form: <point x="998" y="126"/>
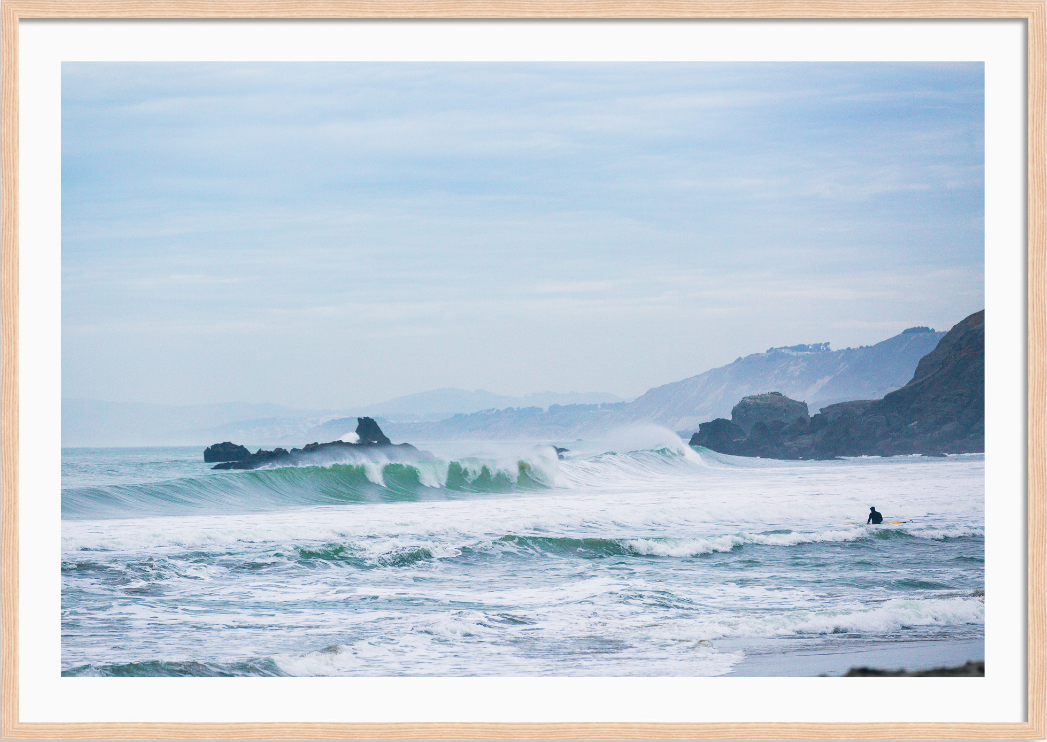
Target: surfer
<point x="874" y="517"/>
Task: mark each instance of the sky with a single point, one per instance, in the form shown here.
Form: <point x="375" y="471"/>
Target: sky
<point x="326" y="235"/>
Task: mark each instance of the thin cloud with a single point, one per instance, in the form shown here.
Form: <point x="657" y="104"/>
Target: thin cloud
<point x="589" y="207"/>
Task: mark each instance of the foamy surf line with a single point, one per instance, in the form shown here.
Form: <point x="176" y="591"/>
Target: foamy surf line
<point x="81" y="536"/>
<point x="873" y="619"/>
<point x="692" y="547"/>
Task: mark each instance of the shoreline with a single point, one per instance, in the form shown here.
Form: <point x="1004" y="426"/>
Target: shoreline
<point x="835" y="661"/>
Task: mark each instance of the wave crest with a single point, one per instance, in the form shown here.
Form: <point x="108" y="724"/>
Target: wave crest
<point x="334" y="483"/>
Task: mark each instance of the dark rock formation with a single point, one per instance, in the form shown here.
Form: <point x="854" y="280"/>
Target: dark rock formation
<point x="718" y="435"/>
<point x="766" y="408"/>
<point x="370" y="436"/>
<point x="369" y="432"/>
<point x="225" y="452"/>
<point x="941" y="410"/>
<point x="943" y="407"/>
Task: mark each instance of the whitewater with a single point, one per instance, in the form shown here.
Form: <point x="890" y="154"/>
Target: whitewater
<point x="631" y="556"/>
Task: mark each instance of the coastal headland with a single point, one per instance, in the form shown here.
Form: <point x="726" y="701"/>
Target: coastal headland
<point x="940" y="411"/>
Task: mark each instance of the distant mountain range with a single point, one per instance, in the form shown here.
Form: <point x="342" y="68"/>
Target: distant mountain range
<point x="558" y="422"/>
<point x="812" y="373"/>
<point x="98" y="423"/>
<point x="443" y="403"/>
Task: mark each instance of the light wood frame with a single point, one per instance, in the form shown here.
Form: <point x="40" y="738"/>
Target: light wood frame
<point x="1033" y="12"/>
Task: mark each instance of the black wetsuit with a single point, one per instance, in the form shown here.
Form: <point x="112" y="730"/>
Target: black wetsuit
<point x="875" y="518"/>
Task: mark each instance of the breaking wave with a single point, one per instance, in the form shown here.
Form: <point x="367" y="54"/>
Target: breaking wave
<point x="336" y="483"/>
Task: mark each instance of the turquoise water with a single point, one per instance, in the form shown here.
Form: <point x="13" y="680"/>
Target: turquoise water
<point x="623" y="559"/>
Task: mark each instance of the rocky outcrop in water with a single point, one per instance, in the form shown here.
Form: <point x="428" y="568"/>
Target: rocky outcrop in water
<point x="368" y="431"/>
<point x="370" y="436"/>
<point x="941" y="410"/>
<point x="767" y="408"/>
<point x="225" y="452"/>
<point x="718" y="435"/>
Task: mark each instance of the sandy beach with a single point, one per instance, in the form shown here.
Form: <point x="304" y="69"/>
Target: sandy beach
<point x="818" y="659"/>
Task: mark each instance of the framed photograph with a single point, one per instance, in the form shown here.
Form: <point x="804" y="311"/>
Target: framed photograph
<point x="523" y="369"/>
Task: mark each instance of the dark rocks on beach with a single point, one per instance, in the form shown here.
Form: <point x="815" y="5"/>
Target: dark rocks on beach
<point x="225" y="452"/>
<point x="940" y="411"/>
<point x="370" y="436"/>
<point x="970" y="669"/>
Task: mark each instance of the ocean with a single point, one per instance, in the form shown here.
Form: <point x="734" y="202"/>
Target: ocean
<point x="631" y="556"/>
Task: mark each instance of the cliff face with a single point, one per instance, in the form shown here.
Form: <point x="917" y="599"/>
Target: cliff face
<point x="941" y="410"/>
<point x="944" y="404"/>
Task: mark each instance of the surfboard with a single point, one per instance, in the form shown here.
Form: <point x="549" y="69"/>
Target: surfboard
<point x="884" y="523"/>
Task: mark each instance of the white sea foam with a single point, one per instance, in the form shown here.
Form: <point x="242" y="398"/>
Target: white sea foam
<point x="373" y="470"/>
<point x="683" y="547"/>
<point x="432" y="473"/>
<point x="891" y="616"/>
<point x="939" y="534"/>
<point x="894" y="615"/>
